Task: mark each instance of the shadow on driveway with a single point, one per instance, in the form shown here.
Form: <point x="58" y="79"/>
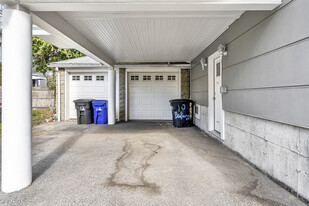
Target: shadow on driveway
<point x="44" y="164"/>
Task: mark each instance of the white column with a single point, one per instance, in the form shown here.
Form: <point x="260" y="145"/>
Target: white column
<point x="111" y="109"/>
<point x="16" y="99"/>
<point x="59" y="95"/>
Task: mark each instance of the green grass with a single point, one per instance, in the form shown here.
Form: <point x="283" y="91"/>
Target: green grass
<point x="40" y="116"/>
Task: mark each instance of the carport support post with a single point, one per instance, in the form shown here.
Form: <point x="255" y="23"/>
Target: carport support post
<point x="16" y="98"/>
<point x="111" y="104"/>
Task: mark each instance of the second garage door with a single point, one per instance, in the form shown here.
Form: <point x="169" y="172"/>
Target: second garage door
<point x="149" y="95"/>
<point x="87" y="86"/>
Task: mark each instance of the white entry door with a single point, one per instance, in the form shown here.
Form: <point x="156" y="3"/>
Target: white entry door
<point x="149" y="95"/>
<point x="217" y="95"/>
<point x="87" y="86"/>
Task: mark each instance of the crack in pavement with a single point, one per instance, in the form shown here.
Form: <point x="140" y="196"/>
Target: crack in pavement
<point x="247" y="191"/>
<point x="131" y="167"/>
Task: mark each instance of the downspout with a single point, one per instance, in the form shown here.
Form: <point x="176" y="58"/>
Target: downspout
<point x="58" y="90"/>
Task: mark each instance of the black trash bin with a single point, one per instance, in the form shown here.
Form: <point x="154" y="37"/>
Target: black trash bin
<point x="84" y="111"/>
<point x="182" y="112"/>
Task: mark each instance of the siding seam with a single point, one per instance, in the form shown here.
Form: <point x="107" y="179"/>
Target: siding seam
<point x="271" y="14"/>
<point x="194" y="66"/>
<point x="274" y="87"/>
<point x="199" y="77"/>
<point x="242" y="33"/>
<point x="198" y="91"/>
<point x="271" y="51"/>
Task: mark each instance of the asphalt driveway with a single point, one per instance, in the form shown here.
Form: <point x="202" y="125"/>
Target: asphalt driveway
<point x="140" y="163"/>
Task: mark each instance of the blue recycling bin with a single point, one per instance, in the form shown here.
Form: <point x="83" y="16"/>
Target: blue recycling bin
<point x="99" y="111"/>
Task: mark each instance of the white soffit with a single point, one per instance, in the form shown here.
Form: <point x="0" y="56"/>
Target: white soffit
<point x="154" y="37"/>
<point x="149" y="5"/>
<point x="139" y="30"/>
<point x="52" y="39"/>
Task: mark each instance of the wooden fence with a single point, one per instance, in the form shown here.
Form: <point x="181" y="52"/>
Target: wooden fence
<point x="42" y="97"/>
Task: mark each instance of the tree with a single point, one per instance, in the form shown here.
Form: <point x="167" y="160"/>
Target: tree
<point x="44" y="53"/>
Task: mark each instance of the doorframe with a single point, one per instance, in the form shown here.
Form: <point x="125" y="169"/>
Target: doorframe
<point x="211" y="103"/>
<point x="147" y="70"/>
<point x="66" y="95"/>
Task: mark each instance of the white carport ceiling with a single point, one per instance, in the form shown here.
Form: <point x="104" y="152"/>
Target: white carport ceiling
<point x="118" y="31"/>
<point x="150" y="39"/>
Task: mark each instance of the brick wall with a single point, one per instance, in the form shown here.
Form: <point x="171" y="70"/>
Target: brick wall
<point x="185" y="83"/>
<point x="122" y="94"/>
<point x="62" y="93"/>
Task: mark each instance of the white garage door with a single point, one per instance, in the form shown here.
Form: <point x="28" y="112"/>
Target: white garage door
<point x="149" y="95"/>
<point x="87" y="86"/>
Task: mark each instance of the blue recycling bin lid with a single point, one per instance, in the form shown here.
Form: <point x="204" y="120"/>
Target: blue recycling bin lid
<point x="99" y="103"/>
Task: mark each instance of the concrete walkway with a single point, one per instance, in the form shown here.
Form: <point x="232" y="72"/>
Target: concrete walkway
<point x="140" y="163"/>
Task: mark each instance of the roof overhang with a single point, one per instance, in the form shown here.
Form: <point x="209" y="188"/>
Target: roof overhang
<point x="137" y="6"/>
<point x="88" y="63"/>
<point x="81" y="62"/>
<point x="116" y="31"/>
<point x="38" y="78"/>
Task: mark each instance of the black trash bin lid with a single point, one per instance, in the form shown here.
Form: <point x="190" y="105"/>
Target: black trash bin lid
<point x="181" y="101"/>
<point x="83" y="100"/>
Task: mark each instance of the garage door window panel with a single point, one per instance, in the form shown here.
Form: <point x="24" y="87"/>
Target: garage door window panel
<point x="159" y="78"/>
<point x="76" y="78"/>
<point x="147" y="78"/>
<point x="135" y="78"/>
<point x="100" y="78"/>
<point x="171" y="78"/>
<point x="87" y="78"/>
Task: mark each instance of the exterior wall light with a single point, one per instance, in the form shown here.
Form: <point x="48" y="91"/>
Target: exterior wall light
<point x="203" y="63"/>
<point x="222" y="50"/>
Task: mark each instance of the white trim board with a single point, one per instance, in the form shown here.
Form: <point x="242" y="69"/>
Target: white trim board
<point x="158" y="66"/>
<point x="117" y="94"/>
<point x="66" y="92"/>
<point x="85" y="69"/>
<point x="149" y="6"/>
<point x="153" y="69"/>
<point x="126" y="95"/>
<point x="211" y="112"/>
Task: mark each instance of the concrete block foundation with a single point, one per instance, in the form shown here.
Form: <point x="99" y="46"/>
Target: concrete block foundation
<point x="279" y="150"/>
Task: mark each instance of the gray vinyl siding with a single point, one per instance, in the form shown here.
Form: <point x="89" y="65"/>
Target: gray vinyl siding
<point x="266" y="69"/>
<point x="199" y="85"/>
